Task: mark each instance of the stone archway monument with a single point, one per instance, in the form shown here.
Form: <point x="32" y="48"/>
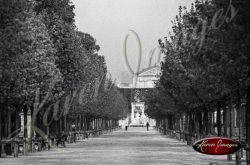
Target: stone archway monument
<point x="138" y="117"/>
<point x="143" y="81"/>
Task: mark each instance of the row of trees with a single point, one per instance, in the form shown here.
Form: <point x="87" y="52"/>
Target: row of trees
<point x="45" y="57"/>
<point x="205" y="73"/>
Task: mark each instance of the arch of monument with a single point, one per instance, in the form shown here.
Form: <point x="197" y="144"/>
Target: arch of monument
<point x="144" y="80"/>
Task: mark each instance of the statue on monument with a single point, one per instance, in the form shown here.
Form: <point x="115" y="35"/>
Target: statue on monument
<point x="137" y="115"/>
<point x="143" y="119"/>
<point x="137" y="118"/>
<point x="137" y="96"/>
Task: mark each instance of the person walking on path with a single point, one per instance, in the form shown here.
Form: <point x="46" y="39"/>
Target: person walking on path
<point x="126" y="126"/>
<point x="74" y="132"/>
<point x="147" y="126"/>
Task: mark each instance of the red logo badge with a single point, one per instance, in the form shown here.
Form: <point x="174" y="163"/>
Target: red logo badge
<point x="216" y="146"/>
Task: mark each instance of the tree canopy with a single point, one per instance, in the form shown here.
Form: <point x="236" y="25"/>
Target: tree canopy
<point x="41" y="48"/>
<point x="205" y="56"/>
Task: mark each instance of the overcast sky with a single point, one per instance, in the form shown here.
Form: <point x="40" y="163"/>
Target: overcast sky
<point x="109" y="21"/>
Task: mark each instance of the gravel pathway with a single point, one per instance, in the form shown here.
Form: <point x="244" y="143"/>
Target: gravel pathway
<point x="134" y="147"/>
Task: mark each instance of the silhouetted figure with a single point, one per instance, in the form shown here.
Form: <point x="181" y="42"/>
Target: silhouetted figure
<point x="126" y="126"/>
<point x="147" y="125"/>
<point x="60" y="139"/>
<point x="73" y="132"/>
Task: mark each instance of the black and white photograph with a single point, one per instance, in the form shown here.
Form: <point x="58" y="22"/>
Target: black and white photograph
<point x="124" y="82"/>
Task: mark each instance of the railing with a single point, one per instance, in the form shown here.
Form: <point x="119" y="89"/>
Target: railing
<point x="16" y="146"/>
<point x="74" y="136"/>
<point x="191" y="138"/>
<point x="182" y="135"/>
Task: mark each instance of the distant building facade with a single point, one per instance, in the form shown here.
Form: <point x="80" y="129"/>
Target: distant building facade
<point x="144" y="80"/>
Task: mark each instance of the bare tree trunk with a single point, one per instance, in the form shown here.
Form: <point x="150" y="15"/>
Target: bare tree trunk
<point x="229" y="119"/>
<point x="238" y="104"/>
<point x="164" y="127"/>
<point x="60" y="125"/>
<point x="219" y="118"/>
<point x="224" y="119"/>
<point x="201" y="127"/>
<point x="190" y="129"/>
<point x="17" y="121"/>
<point x="85" y="123"/>
<point x="9" y="123"/>
<point x="247" y="117"/>
<point x="1" y="122"/>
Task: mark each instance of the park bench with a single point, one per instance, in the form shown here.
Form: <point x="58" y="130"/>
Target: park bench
<point x="90" y="133"/>
<point x="107" y="130"/>
<point x="39" y="144"/>
<point x="94" y="132"/>
<point x="81" y="135"/>
<point x="61" y="139"/>
<point x="11" y="146"/>
<point x="72" y="137"/>
<point x="86" y="134"/>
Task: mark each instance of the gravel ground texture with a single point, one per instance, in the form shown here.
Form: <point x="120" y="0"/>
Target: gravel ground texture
<point x="134" y="147"/>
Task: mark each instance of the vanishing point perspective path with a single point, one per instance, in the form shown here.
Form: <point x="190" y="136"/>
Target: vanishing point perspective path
<point x="134" y="147"/>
